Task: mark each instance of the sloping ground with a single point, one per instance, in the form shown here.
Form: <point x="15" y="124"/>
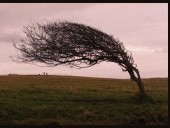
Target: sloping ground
<point x="79" y="100"/>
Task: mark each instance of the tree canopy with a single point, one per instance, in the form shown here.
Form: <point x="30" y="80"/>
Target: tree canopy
<point x="75" y="45"/>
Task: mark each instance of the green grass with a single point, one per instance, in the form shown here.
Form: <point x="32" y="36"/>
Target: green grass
<point x="69" y="100"/>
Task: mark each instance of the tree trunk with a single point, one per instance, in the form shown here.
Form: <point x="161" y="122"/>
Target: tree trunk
<point x="142" y="96"/>
<point x="135" y="76"/>
<point x="140" y="85"/>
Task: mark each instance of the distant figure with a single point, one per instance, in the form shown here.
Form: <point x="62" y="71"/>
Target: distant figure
<point x="46" y="74"/>
<point x="43" y="73"/>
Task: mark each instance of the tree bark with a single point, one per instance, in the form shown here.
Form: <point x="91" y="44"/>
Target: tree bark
<point x="141" y="86"/>
<point x="135" y="76"/>
<point x="142" y="96"/>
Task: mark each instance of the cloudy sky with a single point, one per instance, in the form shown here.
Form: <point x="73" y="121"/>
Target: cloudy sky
<point x="142" y="27"/>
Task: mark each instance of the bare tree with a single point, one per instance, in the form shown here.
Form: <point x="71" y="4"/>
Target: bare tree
<point x="74" y="45"/>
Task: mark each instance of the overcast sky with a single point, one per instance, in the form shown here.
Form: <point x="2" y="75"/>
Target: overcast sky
<point x="142" y="27"/>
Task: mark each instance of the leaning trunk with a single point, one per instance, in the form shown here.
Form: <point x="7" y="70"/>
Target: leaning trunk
<point x="135" y="76"/>
<point x="142" y="96"/>
<point x="140" y="85"/>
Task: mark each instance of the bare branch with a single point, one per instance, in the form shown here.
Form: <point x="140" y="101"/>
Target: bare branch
<point x="74" y="45"/>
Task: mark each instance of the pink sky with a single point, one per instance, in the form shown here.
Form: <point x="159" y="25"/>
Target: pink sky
<point x="142" y="27"/>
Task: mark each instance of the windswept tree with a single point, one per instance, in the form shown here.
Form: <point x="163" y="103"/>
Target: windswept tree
<point x="75" y="45"/>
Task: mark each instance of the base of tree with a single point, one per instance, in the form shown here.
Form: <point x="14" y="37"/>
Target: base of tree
<point x="140" y="98"/>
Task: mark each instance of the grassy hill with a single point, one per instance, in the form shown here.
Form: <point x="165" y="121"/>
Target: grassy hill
<point x="79" y="100"/>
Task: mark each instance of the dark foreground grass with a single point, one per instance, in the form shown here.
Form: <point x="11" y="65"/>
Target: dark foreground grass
<point x="61" y="100"/>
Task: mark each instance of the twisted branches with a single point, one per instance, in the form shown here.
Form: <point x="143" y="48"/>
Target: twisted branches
<point x="74" y="45"/>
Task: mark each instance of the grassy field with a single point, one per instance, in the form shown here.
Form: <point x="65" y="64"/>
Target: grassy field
<point x="42" y="100"/>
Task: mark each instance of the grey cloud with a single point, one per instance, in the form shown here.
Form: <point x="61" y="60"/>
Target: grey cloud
<point x="163" y="43"/>
<point x="46" y="6"/>
<point x="18" y="11"/>
<point x="159" y="50"/>
<point x="14" y="16"/>
<point x="9" y="37"/>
